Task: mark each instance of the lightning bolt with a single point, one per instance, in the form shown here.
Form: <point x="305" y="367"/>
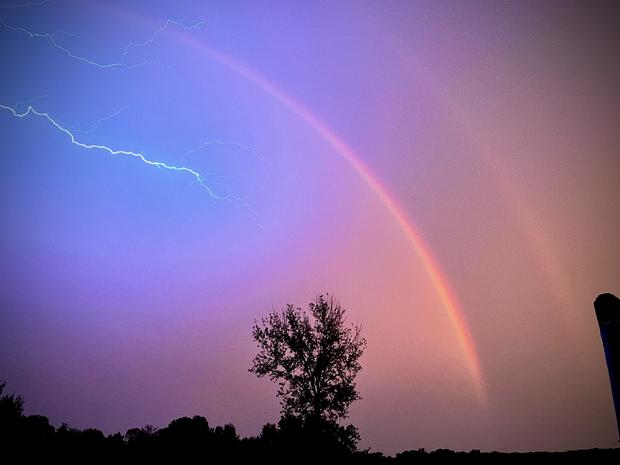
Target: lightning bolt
<point x="197" y="177"/>
<point x="92" y="127"/>
<point x="247" y="148"/>
<point x="23" y="5"/>
<point x="122" y="62"/>
<point x="30" y="100"/>
<point x="220" y="142"/>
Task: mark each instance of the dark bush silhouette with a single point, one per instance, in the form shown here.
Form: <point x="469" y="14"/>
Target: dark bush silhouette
<point x="315" y="358"/>
<point x="191" y="440"/>
<point x="11" y="408"/>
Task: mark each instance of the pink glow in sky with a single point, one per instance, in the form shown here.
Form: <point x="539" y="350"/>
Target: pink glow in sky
<point x="448" y="170"/>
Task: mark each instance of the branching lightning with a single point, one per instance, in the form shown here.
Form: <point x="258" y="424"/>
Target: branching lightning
<point x="244" y="147"/>
<point x="122" y="62"/>
<point x="92" y="127"/>
<point x="216" y="184"/>
<point x="197" y="177"/>
<point x="4" y="6"/>
<point x="30" y="100"/>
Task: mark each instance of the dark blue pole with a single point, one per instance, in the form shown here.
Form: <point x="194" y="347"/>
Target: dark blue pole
<point x="607" y="307"/>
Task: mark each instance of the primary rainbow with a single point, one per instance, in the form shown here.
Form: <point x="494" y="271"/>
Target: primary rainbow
<point x="433" y="270"/>
<point x="438" y="281"/>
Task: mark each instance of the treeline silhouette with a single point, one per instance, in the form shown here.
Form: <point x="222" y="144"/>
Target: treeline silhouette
<point x="292" y="440"/>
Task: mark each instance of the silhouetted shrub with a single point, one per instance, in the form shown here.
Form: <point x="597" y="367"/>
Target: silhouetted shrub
<point x="25" y="439"/>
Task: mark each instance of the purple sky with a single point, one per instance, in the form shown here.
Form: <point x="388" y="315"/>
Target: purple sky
<point x="448" y="170"/>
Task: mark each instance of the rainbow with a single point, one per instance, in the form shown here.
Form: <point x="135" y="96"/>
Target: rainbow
<point x="438" y="281"/>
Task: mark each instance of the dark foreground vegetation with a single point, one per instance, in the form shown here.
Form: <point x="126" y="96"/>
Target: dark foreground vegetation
<point x="192" y="440"/>
<point x="313" y="356"/>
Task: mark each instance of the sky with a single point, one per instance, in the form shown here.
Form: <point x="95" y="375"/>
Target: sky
<point x="448" y="170"/>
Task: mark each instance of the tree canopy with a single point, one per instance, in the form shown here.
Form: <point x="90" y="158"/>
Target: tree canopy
<point x="26" y="439"/>
<point x="313" y="356"/>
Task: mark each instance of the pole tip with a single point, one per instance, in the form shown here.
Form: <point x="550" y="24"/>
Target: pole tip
<point x="607" y="308"/>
